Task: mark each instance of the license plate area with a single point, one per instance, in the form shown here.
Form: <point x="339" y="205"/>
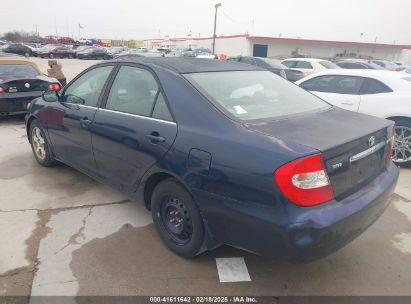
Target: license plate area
<point x="367" y="167"/>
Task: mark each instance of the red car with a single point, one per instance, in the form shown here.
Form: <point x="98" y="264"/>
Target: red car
<point x="57" y="52"/>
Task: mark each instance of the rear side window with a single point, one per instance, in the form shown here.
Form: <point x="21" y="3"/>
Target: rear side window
<point x="339" y="84"/>
<point x="373" y="86"/>
<point x="303" y="65"/>
<point x="133" y="91"/>
<point x="161" y="110"/>
<point x="352" y="65"/>
<point x="290" y="63"/>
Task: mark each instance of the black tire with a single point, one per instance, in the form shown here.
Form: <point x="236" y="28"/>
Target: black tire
<point x="171" y="195"/>
<point x="48" y="160"/>
<point x="403" y="123"/>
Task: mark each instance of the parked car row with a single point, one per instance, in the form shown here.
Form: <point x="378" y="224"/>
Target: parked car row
<point x="58" y="51"/>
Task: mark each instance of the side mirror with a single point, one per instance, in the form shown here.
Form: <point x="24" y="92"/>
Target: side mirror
<point x="50" y="96"/>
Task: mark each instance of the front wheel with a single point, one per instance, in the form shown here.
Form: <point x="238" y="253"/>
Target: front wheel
<point x="40" y="146"/>
<point x="177" y="218"/>
<point x="402" y="143"/>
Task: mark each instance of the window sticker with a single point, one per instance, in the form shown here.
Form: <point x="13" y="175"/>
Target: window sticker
<point x="240" y="110"/>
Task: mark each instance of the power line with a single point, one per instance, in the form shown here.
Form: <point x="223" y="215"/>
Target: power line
<point x="236" y="21"/>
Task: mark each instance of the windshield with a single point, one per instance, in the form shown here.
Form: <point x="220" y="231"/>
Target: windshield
<point x="329" y="65"/>
<point x="253" y="95"/>
<point x="17" y="70"/>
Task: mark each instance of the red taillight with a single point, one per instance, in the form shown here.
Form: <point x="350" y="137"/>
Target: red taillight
<point x="2" y="90"/>
<point x="54" y="87"/>
<point x="391" y="148"/>
<point x="305" y="181"/>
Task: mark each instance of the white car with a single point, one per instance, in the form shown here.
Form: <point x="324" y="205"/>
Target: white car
<point x="309" y="66"/>
<point x="375" y="92"/>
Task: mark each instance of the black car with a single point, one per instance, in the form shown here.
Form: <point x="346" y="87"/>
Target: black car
<point x="94" y="53"/>
<point x="21" y="82"/>
<point x="274" y="66"/>
<point x="18" y="49"/>
<point x="358" y="64"/>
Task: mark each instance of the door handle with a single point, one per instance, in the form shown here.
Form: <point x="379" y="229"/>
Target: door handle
<point x="155" y="138"/>
<point x="85" y="122"/>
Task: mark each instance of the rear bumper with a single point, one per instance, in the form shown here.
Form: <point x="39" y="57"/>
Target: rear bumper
<point x="16" y="103"/>
<point x="300" y="234"/>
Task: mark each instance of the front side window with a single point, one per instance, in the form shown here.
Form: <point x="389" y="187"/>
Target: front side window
<point x="133" y="91"/>
<point x="339" y="84"/>
<point x="86" y="90"/>
<point x="254" y="95"/>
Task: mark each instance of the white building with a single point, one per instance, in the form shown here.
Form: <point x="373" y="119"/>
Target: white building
<point x="274" y="47"/>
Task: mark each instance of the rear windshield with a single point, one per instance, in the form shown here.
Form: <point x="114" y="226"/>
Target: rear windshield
<point x="255" y="95"/>
<point x="329" y="65"/>
<point x="17" y="70"/>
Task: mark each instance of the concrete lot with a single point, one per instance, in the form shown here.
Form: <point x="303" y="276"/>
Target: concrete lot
<point x="62" y="233"/>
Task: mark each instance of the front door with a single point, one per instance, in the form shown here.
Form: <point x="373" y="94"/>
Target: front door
<point x="69" y="120"/>
<point x="134" y="130"/>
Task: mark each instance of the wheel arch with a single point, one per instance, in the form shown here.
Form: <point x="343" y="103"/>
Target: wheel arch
<point x="153" y="180"/>
<point x="28" y="124"/>
<point x="399" y="117"/>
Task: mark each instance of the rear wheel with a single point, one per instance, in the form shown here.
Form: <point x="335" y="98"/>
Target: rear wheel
<point x="402" y="143"/>
<point x="177" y="218"/>
<point x="40" y="146"/>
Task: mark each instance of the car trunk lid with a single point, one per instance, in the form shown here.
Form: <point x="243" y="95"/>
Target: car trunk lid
<point x="354" y="146"/>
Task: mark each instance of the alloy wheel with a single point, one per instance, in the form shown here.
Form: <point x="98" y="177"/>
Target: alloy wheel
<point x="402" y="145"/>
<point x="39" y="144"/>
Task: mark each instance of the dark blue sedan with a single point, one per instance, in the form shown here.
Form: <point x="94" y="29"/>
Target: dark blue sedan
<point x="221" y="153"/>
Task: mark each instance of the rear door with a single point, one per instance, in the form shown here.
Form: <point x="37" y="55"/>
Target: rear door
<point x="134" y="129"/>
<point x="340" y="90"/>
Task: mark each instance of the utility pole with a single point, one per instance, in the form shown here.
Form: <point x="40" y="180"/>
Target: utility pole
<point x="215" y="24"/>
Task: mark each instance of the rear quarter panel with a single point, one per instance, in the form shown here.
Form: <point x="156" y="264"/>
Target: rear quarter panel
<point x="386" y="105"/>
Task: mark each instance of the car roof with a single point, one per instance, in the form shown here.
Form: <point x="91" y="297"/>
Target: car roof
<point x="183" y="65"/>
<point x="305" y="59"/>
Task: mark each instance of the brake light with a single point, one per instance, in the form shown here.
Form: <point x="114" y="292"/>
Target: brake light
<point x="391" y="148"/>
<point x="54" y="87"/>
<point x="2" y="90"/>
<point x="305" y="181"/>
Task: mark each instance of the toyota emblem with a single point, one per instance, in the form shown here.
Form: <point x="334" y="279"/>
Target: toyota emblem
<point x="371" y="141"/>
<point x="27" y="85"/>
